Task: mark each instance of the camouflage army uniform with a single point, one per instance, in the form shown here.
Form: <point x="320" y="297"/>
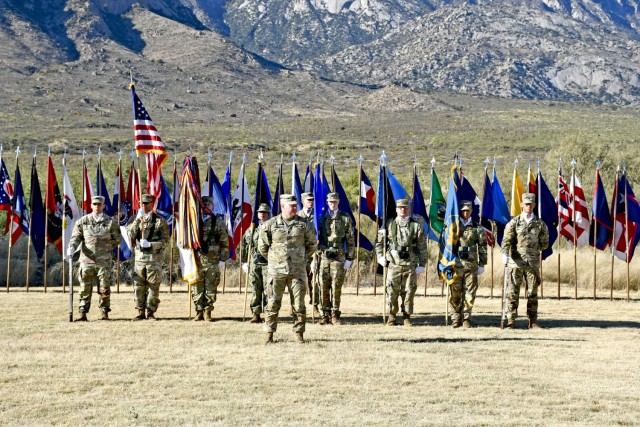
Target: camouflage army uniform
<point x="98" y="239"/>
<point x="310" y="284"/>
<point x="401" y="275"/>
<point x="523" y="243"/>
<point x="216" y="242"/>
<point x="148" y="261"/>
<point x="473" y="242"/>
<point x="257" y="269"/>
<point x="335" y="233"/>
<point x="287" y="246"/>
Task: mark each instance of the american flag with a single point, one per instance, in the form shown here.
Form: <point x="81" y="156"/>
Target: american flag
<point x="149" y="142"/>
<point x="6" y="189"/>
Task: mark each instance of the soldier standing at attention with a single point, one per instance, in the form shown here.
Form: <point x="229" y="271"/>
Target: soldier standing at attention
<point x="337" y="247"/>
<point x="214" y="254"/>
<point x="150" y="232"/>
<point x="525" y="237"/>
<point x="307" y="214"/>
<point x="406" y="254"/>
<point x="98" y="235"/>
<point x="255" y="265"/>
<point x="287" y="241"/>
<point x="472" y="257"/>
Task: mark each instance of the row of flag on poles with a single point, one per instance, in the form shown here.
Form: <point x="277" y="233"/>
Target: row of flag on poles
<point x="51" y="218"/>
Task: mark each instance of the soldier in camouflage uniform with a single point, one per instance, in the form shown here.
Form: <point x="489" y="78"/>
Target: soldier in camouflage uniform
<point x="255" y="265"/>
<point x="525" y="237"/>
<point x="472" y="257"/>
<point x="287" y="242"/>
<point x="98" y="235"/>
<point x="150" y="232"/>
<point x="214" y="254"/>
<point x="307" y="214"/>
<point x="406" y="254"/>
<point x="336" y="247"/>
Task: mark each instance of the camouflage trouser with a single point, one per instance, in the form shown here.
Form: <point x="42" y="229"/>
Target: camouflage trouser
<point x="146" y="285"/>
<point x="258" y="278"/>
<point x="204" y="291"/>
<point x="87" y="274"/>
<point x="515" y="278"/>
<point x="276" y="284"/>
<point x="401" y="281"/>
<point x="332" y="272"/>
<point x="463" y="294"/>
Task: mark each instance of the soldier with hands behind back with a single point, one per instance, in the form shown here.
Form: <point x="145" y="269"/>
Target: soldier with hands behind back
<point x="255" y="265"/>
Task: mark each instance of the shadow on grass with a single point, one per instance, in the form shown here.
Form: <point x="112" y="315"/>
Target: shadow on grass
<point x="463" y="340"/>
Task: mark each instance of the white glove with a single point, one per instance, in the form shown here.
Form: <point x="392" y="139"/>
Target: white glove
<point x="70" y="251"/>
<point x="313" y="267"/>
<point x="505" y="259"/>
<point x="480" y="270"/>
<point x="347" y="264"/>
<point x="140" y="213"/>
<point x="245" y="267"/>
<point x="221" y="264"/>
<point x="419" y="269"/>
<point x="144" y="243"/>
<point x="382" y="261"/>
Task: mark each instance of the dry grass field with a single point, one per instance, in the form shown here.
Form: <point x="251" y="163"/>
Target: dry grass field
<point x="581" y="369"/>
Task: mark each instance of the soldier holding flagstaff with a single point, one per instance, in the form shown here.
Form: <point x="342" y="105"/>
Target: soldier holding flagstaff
<point x="151" y="234"/>
<point x="255" y="265"/>
<point x="472" y="257"/>
<point x="525" y="237"/>
<point x="337" y="248"/>
<point x="96" y="235"/>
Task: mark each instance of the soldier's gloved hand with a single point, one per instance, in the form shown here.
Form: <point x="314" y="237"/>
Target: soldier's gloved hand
<point x="140" y="213"/>
<point x="347" y="264"/>
<point x="313" y="267"/>
<point x="221" y="264"/>
<point x="382" y="261"/>
<point x="71" y="251"/>
<point x="245" y="267"/>
<point x="419" y="269"/>
<point x="505" y="260"/>
<point x="144" y="243"/>
<point x="480" y="270"/>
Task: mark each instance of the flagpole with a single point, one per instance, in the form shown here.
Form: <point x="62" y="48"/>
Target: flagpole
<point x="595" y="234"/>
<point x="11" y="228"/>
<point x="64" y="213"/>
<point x="626" y="224"/>
<point x="224" y="269"/>
<point x="539" y="197"/>
<point x="46" y="223"/>
<point x="120" y="196"/>
<point x="360" y="160"/>
<point x="244" y="159"/>
<point x="484" y="189"/>
<point x="615" y="209"/>
<point x="30" y="225"/>
<point x="575" y="228"/>
<point x="559" y="221"/>
<point x="383" y="162"/>
<point x="493" y="232"/>
<point x="99" y="192"/>
<point x="173" y="229"/>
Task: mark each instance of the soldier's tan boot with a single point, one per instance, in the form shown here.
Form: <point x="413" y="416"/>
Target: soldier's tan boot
<point x="256" y="318"/>
<point x="456" y="323"/>
<point x="316" y="312"/>
<point x="511" y="323"/>
<point x="326" y="320"/>
<point x="199" y="316"/>
<point x="466" y="324"/>
<point x="140" y="316"/>
<point x="336" y="319"/>
<point x="407" y="319"/>
<point x="82" y="318"/>
<point x="105" y="316"/>
<point x="391" y="321"/>
<point x="268" y="338"/>
<point x="207" y="316"/>
<point x="150" y="315"/>
<point x="533" y="323"/>
<point x="299" y="338"/>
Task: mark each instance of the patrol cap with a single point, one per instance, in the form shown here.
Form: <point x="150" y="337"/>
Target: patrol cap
<point x="466" y="205"/>
<point x="307" y="196"/>
<point x="403" y="202"/>
<point x="97" y="199"/>
<point x="264" y="208"/>
<point x="333" y="197"/>
<point x="207" y="200"/>
<point x="147" y="198"/>
<point x="288" y="199"/>
<point x="528" y="198"/>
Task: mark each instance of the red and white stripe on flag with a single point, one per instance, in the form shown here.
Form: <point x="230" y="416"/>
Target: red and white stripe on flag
<point x="241" y="209"/>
